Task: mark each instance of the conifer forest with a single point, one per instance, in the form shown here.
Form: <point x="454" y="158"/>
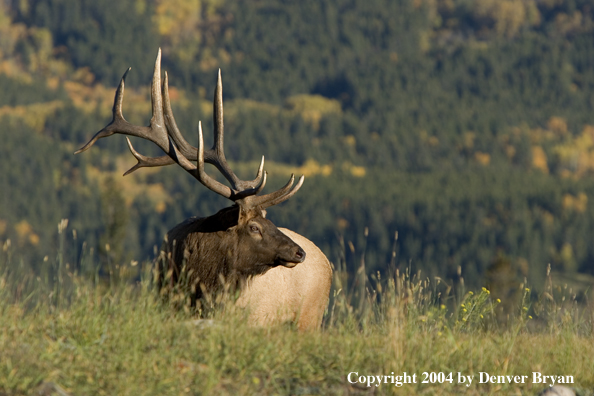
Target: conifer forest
<point x="451" y="137"/>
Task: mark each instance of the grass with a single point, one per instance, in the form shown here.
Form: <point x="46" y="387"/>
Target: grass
<point x="68" y="334"/>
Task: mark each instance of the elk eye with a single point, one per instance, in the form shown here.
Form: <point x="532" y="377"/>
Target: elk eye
<point x="254" y="228"/>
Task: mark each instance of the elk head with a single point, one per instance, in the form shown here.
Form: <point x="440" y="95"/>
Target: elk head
<point x="256" y="244"/>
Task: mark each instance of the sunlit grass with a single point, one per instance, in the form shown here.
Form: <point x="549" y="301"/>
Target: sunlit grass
<point x="85" y="335"/>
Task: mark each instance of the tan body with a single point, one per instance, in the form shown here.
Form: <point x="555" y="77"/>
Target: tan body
<point x="299" y="295"/>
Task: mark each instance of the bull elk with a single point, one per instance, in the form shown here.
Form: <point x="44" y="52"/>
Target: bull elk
<point x="280" y="275"/>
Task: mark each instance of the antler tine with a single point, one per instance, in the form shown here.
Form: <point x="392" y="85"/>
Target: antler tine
<point x="217" y="117"/>
<point x="201" y="175"/>
<point x="188" y="151"/>
<point x="116" y="116"/>
<point x="156" y="133"/>
<point x="278" y="196"/>
<point x="214" y="156"/>
<point x="259" y="176"/>
<point x="145" y="162"/>
<point x="252" y="191"/>
<point x="163" y="131"/>
<point x="158" y="123"/>
<point x="283" y="198"/>
<point x="185" y="148"/>
<point x="218" y="151"/>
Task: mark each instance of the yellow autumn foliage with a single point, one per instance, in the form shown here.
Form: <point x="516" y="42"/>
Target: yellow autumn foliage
<point x="576" y="154"/>
<point x="548" y="217"/>
<point x="573" y="154"/>
<point x="482" y="158"/>
<point x="539" y="159"/>
<point x="10" y="33"/>
<point x="90" y="97"/>
<point x="567" y="24"/>
<point x="350" y="140"/>
<point x="233" y="107"/>
<point x="342" y="223"/>
<point x="558" y="125"/>
<point x="177" y="19"/>
<point x="25" y="233"/>
<point x="25" y="51"/>
<point x="309" y="107"/>
<point x="566" y="257"/>
<point x="556" y="130"/>
<point x="510" y="151"/>
<point x="33" y="115"/>
<point x="135" y="184"/>
<point x="312" y="107"/>
<point x="509" y="16"/>
<point x="358" y="171"/>
<point x="305" y="103"/>
<point x="310" y="168"/>
<point x="577" y="203"/>
<point x="354" y="170"/>
<point x="313" y="167"/>
<point x="469" y="138"/>
<point x="184" y="26"/>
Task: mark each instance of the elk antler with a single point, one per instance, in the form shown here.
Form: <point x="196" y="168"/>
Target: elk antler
<point x="163" y="131"/>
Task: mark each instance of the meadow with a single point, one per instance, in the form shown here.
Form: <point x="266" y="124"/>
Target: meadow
<point x="466" y="126"/>
<point x="82" y="331"/>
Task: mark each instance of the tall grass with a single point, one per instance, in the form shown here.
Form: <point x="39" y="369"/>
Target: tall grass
<point x="67" y="331"/>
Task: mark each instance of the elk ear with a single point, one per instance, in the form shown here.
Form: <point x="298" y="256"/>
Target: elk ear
<point x="246" y="214"/>
<point x="264" y="213"/>
<point x="228" y="217"/>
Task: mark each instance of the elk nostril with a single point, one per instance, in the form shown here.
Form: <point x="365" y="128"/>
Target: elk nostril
<point x="300" y="254"/>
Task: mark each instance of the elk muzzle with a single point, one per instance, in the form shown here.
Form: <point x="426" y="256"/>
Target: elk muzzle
<point x="292" y="257"/>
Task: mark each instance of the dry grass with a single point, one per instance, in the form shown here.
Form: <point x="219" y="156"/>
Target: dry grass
<point x="67" y="334"/>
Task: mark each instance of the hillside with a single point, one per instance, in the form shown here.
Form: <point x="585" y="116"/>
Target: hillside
<point x="463" y="127"/>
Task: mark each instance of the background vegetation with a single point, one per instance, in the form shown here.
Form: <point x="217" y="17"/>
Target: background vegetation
<point x="463" y="127"/>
